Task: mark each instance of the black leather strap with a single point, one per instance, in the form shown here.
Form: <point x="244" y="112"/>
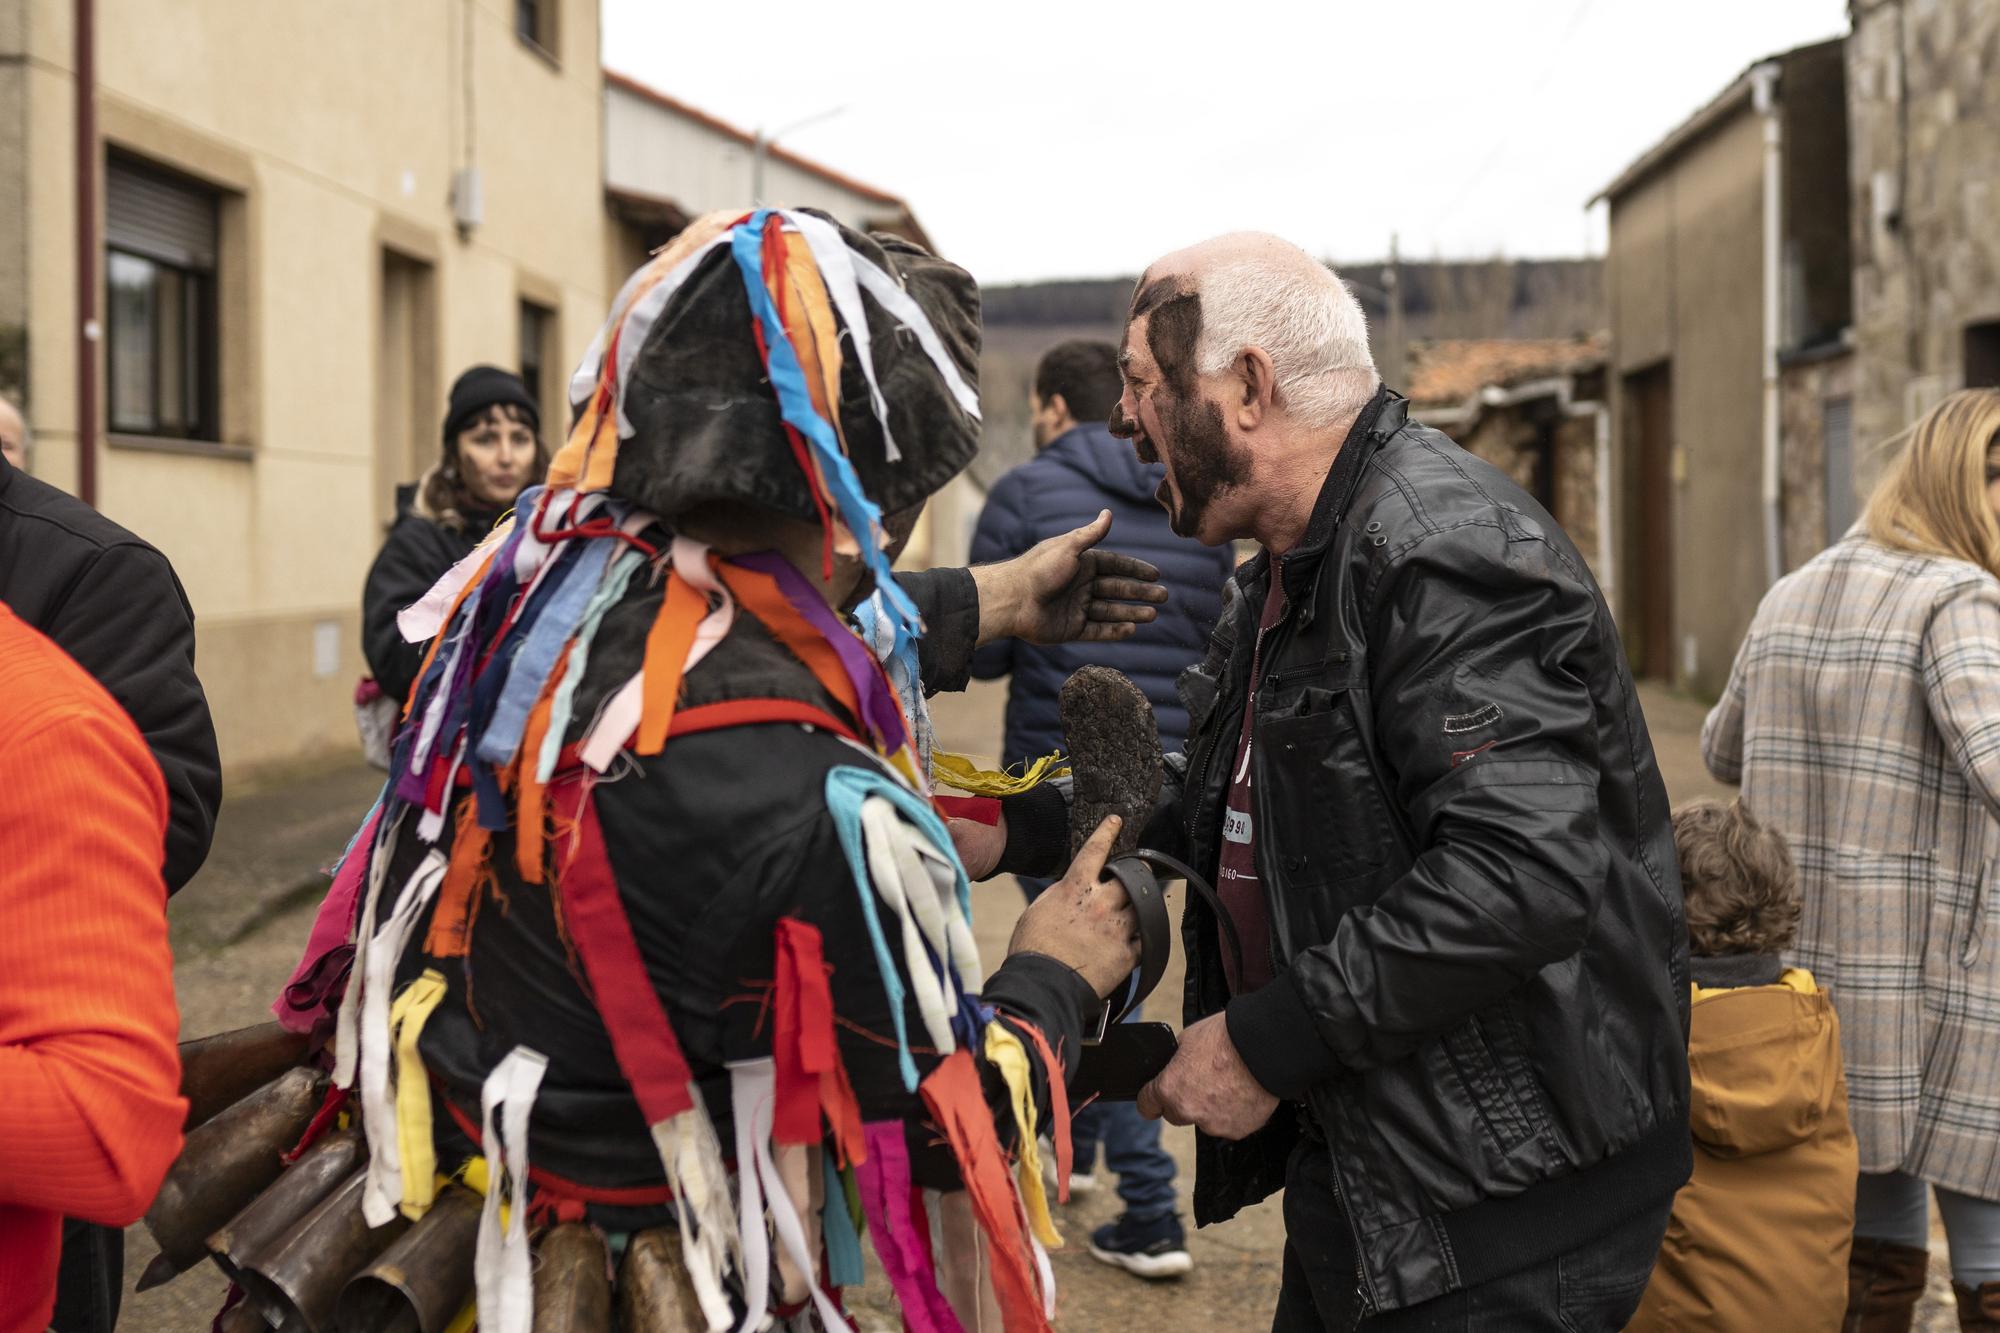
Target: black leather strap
<point x="1156" y="930"/>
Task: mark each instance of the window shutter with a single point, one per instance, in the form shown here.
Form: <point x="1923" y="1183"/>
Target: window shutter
<point x="154" y="215"/>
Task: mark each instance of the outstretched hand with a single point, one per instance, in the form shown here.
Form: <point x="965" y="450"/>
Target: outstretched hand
<point x="1064" y="590"/>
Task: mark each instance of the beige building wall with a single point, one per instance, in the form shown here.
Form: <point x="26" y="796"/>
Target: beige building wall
<point x="334" y="131"/>
<point x="1684" y="270"/>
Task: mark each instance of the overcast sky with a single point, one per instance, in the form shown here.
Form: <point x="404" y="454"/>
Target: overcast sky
<point x="1081" y="138"/>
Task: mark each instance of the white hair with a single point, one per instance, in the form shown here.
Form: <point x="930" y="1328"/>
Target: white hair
<point x="1278" y="298"/>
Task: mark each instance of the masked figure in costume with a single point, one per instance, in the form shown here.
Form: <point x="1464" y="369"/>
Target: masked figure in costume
<point x="656" y="937"/>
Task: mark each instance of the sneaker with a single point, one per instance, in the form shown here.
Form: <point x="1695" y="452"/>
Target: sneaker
<point x="1081" y="1181"/>
<point x="1154" y="1248"/>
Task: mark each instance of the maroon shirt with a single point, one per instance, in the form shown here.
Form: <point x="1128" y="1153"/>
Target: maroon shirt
<point x="1236" y="872"/>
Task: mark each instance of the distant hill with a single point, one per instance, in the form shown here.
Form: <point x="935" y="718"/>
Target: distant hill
<point x="1490" y="298"/>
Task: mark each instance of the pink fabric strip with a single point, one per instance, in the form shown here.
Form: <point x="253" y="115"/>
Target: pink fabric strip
<point x="333" y="925"/>
<point x="885" y="1197"/>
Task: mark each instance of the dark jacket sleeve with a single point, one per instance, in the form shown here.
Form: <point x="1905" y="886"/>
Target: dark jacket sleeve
<point x="414" y="557"/>
<point x="1002" y="533"/>
<point x="1509" y="871"/>
<point x="128" y="623"/>
<point x="949" y="602"/>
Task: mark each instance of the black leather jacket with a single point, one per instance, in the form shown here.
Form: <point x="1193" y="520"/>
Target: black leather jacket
<point x="1466" y="854"/>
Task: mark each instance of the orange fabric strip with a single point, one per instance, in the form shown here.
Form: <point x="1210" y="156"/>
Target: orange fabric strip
<point x="530" y="824"/>
<point x="450" y="931"/>
<point x="958" y="1103"/>
<point x="764" y="599"/>
<point x="808" y="317"/>
<point x="667" y="647"/>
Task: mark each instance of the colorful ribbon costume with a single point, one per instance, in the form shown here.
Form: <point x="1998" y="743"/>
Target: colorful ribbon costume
<point x="492" y="724"/>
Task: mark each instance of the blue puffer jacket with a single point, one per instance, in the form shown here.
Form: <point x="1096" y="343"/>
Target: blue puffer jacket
<point x="1084" y="470"/>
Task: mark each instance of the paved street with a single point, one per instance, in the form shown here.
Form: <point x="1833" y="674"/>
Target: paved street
<point x="238" y="928"/>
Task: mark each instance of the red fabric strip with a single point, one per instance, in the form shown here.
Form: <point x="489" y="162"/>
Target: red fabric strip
<point x="958" y="1103"/>
<point x="1059" y="1115"/>
<point x="979" y="809"/>
<point x="641" y="1037"/>
<point x="747" y="712"/>
<point x="810" y="1075"/>
<point x="562" y="1187"/>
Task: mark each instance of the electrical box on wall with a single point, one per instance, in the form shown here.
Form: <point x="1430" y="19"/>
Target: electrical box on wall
<point x="468" y="198"/>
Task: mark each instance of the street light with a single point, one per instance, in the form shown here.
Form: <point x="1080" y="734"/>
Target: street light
<point x="760" y="148"/>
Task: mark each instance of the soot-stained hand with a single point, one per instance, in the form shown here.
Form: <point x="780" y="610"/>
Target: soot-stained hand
<point x="1085" y="920"/>
<point x="1065" y="590"/>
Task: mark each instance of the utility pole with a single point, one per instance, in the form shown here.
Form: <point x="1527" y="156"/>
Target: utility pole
<point x="760" y="148"/>
<point x="1396" y="342"/>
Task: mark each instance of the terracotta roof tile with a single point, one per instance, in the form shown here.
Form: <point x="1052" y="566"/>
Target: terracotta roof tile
<point x="1448" y="371"/>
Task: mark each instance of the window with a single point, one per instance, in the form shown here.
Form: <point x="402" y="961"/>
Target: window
<point x="159" y="269"/>
<point x="1982" y="355"/>
<point x="535" y="24"/>
<point x="538" y="360"/>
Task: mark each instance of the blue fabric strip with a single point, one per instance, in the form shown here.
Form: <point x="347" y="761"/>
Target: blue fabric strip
<point x="861" y="514"/>
<point x="846" y="788"/>
<point x="843" y="1242"/>
<point x="546" y="636"/>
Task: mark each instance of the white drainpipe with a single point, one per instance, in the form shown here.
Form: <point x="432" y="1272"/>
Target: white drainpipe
<point x="1765" y="88"/>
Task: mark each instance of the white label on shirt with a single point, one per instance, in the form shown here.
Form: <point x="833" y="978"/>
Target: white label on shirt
<point x="1236" y="826"/>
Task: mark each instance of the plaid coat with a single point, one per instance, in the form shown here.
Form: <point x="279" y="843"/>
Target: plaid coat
<point x="1862" y="718"/>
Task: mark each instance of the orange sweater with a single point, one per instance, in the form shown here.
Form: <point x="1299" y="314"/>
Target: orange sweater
<point x="90" y="1110"/>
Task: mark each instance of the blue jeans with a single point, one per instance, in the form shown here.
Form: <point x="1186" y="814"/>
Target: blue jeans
<point x="1592" y="1289"/>
<point x="1895" y="1207"/>
<point x="1131" y="1142"/>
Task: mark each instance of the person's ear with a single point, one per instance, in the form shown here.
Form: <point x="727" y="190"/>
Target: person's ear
<point x="1256" y="386"/>
<point x="1059" y="408"/>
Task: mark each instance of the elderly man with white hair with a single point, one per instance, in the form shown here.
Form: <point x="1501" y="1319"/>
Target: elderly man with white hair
<point x="1447" y="1008"/>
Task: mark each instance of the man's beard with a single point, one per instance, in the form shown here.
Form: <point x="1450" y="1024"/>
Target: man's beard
<point x="1203" y="461"/>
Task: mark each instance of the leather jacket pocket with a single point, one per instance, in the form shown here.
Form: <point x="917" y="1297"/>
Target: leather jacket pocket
<point x="1329" y="821"/>
<point x="1481" y="1054"/>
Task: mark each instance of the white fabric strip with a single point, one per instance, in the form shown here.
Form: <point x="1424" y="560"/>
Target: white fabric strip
<point x="423" y="618"/>
<point x="431" y="823"/>
<point x="503" y="1270"/>
<point x="751" y="1084"/>
<point x="347" y="1021"/>
<point x="615" y="723"/>
<point x="958" y="927"/>
<point x="583" y="380"/>
<point x="883" y="832"/>
<point x="691" y="563"/>
<point x="836" y="269"/>
<point x="692" y="1157"/>
<point x="752" y="1094"/>
<point x="384" y="1188"/>
<point x="889" y="294"/>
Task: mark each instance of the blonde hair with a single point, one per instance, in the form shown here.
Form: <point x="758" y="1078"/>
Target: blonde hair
<point x="1932" y="500"/>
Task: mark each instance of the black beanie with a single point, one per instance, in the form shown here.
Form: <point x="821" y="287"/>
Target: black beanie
<point x="480" y="388"/>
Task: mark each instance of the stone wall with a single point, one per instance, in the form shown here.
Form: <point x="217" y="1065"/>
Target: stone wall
<point x="1806" y="390"/>
<point x="1924" y="117"/>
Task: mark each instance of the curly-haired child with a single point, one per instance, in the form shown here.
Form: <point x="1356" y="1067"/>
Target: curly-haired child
<point x="1759" y="1237"/>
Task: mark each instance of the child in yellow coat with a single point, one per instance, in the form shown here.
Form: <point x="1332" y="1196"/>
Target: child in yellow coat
<point x="1759" y="1237"/>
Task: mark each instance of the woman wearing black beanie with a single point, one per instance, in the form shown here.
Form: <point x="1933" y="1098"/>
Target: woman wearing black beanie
<point x="491" y="450"/>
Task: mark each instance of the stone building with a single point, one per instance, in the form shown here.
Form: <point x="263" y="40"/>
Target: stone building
<point x="1728" y="275"/>
<point x="1924" y="109"/>
<point x="1535" y="409"/>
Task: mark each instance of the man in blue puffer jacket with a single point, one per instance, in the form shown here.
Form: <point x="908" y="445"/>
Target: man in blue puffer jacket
<point x="1078" y="470"/>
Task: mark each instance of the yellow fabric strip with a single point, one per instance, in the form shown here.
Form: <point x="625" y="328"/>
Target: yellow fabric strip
<point x="955" y="770"/>
<point x="1006" y="1054"/>
<point x="407" y="1017"/>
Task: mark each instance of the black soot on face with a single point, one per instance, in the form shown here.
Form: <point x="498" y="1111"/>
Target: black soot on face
<point x="1197" y="446"/>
